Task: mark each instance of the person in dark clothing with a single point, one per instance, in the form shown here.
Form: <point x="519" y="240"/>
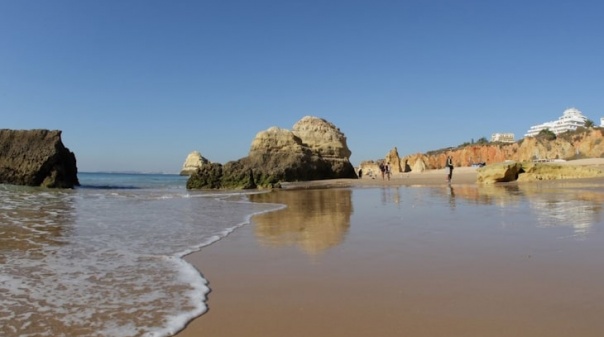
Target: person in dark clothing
<point x="387" y="170"/>
<point x="450" y="167"/>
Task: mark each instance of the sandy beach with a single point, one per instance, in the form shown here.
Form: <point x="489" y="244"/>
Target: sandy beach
<point x="336" y="262"/>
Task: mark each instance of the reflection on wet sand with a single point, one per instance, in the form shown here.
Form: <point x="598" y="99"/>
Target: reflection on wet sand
<point x="29" y="222"/>
<point x="580" y="208"/>
<point x="562" y="204"/>
<point x="391" y="195"/>
<point x="314" y="220"/>
<point x="451" y="194"/>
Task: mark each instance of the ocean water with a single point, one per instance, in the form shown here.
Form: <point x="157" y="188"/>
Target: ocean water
<point x="105" y="259"/>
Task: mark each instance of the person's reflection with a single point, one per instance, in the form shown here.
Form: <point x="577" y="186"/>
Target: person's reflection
<point x="314" y="220"/>
<point x="385" y="195"/>
<point x="397" y="196"/>
<point x="391" y="195"/>
<point x="451" y="194"/>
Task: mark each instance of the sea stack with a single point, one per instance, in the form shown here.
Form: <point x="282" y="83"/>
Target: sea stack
<point x="314" y="149"/>
<point x="193" y="162"/>
<point x="36" y="158"/>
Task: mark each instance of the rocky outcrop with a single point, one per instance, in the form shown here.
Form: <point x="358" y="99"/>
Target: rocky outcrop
<point x="498" y="173"/>
<point x="315" y="149"/>
<point x="588" y="143"/>
<point x="413" y="163"/>
<point x="419" y="166"/>
<point x="370" y="168"/>
<point x="36" y="158"/>
<point x="193" y="162"/>
<point x="552" y="171"/>
<point x="530" y="171"/>
<point x="276" y="140"/>
<point x="394" y="160"/>
<point x="322" y="138"/>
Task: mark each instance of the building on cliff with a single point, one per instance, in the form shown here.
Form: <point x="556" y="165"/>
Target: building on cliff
<point x="570" y="120"/>
<point x="502" y="137"/>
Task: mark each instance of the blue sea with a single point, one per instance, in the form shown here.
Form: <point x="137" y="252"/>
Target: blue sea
<point x="106" y="258"/>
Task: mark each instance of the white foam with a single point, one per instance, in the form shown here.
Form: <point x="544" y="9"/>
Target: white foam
<point x="109" y="262"/>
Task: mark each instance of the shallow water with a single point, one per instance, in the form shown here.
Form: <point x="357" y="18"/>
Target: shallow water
<point x="105" y="259"/>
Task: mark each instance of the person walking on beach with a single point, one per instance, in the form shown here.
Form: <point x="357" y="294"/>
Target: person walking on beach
<point x="382" y="169"/>
<point x="449" y="165"/>
<point x="387" y="170"/>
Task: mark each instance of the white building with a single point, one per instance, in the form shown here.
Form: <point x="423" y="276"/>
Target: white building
<point x="570" y="120"/>
<point x="502" y="137"/>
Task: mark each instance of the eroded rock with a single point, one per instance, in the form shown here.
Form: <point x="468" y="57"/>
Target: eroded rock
<point x="552" y="171"/>
<point x="193" y="162"/>
<point x="500" y="172"/>
<point x="314" y="150"/>
<point x="36" y="158"/>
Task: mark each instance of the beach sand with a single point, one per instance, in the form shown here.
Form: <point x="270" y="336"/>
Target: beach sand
<point x="304" y="271"/>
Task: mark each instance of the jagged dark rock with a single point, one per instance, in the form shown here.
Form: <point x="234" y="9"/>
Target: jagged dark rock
<point x="208" y="176"/>
<point x="36" y="158"/>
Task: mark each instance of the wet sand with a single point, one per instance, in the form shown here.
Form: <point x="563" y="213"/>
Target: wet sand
<point x="461" y="176"/>
<point x="322" y="268"/>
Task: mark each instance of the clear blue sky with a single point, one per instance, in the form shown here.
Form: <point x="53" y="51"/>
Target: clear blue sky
<point x="137" y="85"/>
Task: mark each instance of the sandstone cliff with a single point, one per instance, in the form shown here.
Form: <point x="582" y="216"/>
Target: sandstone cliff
<point x="315" y="149"/>
<point x="193" y="162"/>
<point x="582" y="144"/>
<point x="36" y="158"/>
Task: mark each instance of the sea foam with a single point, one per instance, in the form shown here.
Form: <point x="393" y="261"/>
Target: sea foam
<point x="108" y="262"/>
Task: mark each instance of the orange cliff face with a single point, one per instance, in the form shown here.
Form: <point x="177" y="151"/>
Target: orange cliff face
<point x="588" y="144"/>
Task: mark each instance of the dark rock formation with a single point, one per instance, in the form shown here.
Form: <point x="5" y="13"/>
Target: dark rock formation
<point x="207" y="176"/>
<point x="314" y="150"/>
<point x="36" y="158"/>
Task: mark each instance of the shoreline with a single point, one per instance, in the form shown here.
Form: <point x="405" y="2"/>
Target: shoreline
<point x="295" y="287"/>
<point x="461" y="176"/>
